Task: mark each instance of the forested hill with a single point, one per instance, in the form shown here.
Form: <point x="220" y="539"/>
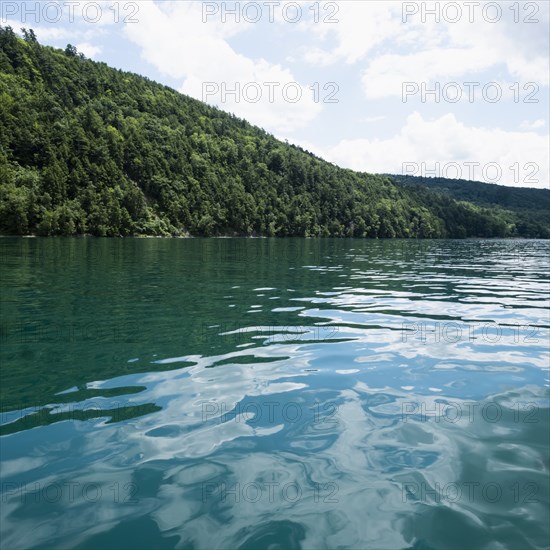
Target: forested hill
<point x="87" y="149"/>
<point x="488" y="194"/>
<point x="532" y="206"/>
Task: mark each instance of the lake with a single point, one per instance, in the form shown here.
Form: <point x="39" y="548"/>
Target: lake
<point x="266" y="394"/>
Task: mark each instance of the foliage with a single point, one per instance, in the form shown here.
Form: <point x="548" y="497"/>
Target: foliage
<point x="527" y="209"/>
<point x="85" y="148"/>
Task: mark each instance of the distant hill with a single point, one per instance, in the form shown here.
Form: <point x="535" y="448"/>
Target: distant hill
<point x="488" y="194"/>
<point x="530" y="206"/>
<point x="87" y="149"/>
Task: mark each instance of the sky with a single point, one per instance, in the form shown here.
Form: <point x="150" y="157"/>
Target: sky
<point x="444" y="89"/>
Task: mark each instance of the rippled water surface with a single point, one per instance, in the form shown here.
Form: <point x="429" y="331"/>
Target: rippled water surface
<point x="265" y="394"/>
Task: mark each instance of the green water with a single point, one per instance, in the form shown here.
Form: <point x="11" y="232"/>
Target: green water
<point x="265" y="394"/>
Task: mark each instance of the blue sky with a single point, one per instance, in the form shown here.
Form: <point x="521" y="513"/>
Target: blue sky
<point x="343" y="79"/>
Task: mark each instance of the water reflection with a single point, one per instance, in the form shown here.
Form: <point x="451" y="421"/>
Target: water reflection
<point x="232" y="393"/>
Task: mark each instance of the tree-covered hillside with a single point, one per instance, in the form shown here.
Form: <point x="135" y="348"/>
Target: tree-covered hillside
<point x="85" y="148"/>
<point x="531" y="207"/>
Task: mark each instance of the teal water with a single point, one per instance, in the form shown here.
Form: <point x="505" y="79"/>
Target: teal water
<point x="266" y="394"/>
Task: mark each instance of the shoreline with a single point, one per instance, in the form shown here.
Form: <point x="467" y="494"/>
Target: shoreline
<point x="253" y="237"/>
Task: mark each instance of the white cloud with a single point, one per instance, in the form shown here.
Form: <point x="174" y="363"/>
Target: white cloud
<point x="386" y="74"/>
<point x="533" y="125"/>
<point x="446" y="140"/>
<point x="392" y="51"/>
<point x="89" y="50"/>
<point x="173" y="38"/>
<point x="64" y="31"/>
<point x="462" y="52"/>
<point x="361" y="27"/>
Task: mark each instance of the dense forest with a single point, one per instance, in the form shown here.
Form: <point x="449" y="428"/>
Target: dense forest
<point x="531" y="207"/>
<point x="87" y="149"/>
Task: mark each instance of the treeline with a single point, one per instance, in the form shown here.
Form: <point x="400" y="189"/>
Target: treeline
<point x="530" y="208"/>
<point x="87" y="149"/>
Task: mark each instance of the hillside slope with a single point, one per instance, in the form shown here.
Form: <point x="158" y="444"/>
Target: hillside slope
<point x="530" y="207"/>
<point x="85" y="148"/>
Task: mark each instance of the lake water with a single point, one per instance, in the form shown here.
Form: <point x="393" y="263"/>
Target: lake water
<point x="266" y="394"/>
